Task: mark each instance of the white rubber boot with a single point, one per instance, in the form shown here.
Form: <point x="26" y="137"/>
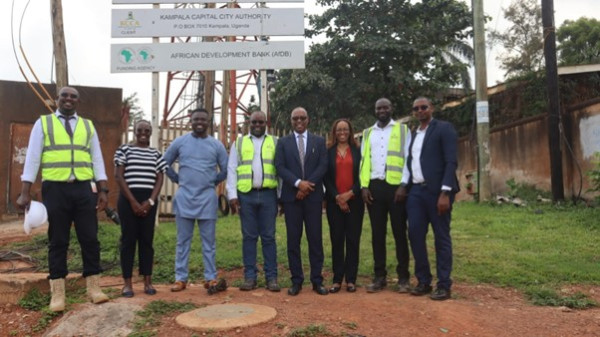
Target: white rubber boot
<point x="57" y="289"/>
<point x="93" y="289"/>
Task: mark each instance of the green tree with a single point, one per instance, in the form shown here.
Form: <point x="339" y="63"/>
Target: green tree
<point x="131" y="110"/>
<point x="579" y="41"/>
<point x="523" y="41"/>
<point x="376" y="48"/>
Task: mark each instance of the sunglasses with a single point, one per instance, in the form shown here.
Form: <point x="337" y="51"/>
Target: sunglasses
<point x="257" y="122"/>
<point x="65" y="95"/>
<point x="299" y="118"/>
<point x="422" y="107"/>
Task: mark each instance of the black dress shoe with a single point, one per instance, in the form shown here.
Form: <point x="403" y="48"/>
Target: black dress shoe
<point x="295" y="289"/>
<point x="319" y="289"/>
<point x="440" y="294"/>
<point x="421" y="289"/>
<point x="335" y="289"/>
<point x="351" y="288"/>
<point x="378" y="284"/>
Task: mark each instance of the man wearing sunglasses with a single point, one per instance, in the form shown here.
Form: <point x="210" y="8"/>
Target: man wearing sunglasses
<point x="301" y="162"/>
<point x="383" y="147"/>
<point x="66" y="148"/>
<point x="430" y="179"/>
<point x="252" y="192"/>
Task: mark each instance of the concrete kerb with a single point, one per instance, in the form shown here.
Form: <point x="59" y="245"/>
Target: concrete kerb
<point x="13" y="287"/>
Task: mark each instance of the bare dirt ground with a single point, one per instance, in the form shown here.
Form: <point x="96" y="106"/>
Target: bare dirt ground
<point x="474" y="310"/>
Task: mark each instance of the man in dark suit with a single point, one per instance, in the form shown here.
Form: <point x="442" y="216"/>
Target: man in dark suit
<point x="430" y="179"/>
<point x="301" y="162"/>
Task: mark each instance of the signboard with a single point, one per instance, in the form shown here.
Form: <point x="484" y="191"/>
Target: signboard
<point x="137" y="58"/>
<point x="207" y="22"/>
<point x="124" y="2"/>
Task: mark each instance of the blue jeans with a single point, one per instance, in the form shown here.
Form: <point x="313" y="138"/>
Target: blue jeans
<point x="257" y="213"/>
<point x="185" y="231"/>
<point x="422" y="210"/>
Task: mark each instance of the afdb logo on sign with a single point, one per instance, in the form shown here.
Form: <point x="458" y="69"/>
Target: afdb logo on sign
<point x="129" y="56"/>
<point x="145" y="55"/>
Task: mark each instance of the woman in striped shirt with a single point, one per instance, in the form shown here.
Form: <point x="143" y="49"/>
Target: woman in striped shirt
<point x="139" y="174"/>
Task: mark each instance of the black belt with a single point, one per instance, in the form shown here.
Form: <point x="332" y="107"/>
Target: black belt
<point x="420" y="184"/>
<point x="75" y="181"/>
<point x="262" y="189"/>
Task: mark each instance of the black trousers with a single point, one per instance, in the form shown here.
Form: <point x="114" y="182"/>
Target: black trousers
<point x="382" y="205"/>
<point x="309" y="214"/>
<point x="138" y="231"/>
<point x="69" y="203"/>
<point x="345" y="230"/>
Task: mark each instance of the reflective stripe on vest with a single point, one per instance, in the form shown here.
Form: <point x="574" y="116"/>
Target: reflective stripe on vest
<point x="394" y="162"/>
<point x="63" y="156"/>
<point x="245" y="149"/>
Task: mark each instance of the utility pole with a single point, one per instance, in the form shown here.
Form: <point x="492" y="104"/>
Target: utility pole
<point x="482" y="106"/>
<point x="156" y="136"/>
<point x="209" y="86"/>
<point x="60" y="48"/>
<point x="556" y="175"/>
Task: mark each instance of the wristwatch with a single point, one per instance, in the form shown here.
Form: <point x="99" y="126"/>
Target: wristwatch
<point x="151" y="201"/>
<point x="446" y="192"/>
<point x="104" y="189"/>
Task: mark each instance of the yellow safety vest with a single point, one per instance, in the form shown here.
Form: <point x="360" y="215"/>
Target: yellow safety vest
<point x="246" y="154"/>
<point x="63" y="156"/>
<point x="394" y="162"/>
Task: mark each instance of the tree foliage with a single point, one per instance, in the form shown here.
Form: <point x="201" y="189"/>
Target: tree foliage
<point x="579" y="41"/>
<point x="131" y="106"/>
<point x="377" y="48"/>
<point x="523" y="41"/>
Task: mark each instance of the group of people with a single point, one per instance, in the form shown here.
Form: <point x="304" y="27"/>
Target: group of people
<point x="409" y="178"/>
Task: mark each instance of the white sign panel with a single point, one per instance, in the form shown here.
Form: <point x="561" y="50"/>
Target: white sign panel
<point x="137" y="58"/>
<point x="118" y="2"/>
<point x="207" y="22"/>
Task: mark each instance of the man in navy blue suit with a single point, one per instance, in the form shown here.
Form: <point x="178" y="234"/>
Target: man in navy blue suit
<point x="301" y="163"/>
<point x="430" y="181"/>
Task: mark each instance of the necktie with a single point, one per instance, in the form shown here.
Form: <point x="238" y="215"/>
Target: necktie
<point x="68" y="125"/>
<point x="301" y="151"/>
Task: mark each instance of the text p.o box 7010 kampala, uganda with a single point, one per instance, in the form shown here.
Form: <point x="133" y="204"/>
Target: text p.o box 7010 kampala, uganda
<point x="137" y="58"/>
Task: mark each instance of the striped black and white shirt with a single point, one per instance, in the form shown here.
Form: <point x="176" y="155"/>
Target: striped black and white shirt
<point x="141" y="165"/>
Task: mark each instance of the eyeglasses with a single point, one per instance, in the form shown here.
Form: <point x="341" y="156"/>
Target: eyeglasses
<point x="342" y="130"/>
<point x="65" y="95"/>
<point x="299" y="118"/>
<point x="257" y="122"/>
<point x="422" y="107"/>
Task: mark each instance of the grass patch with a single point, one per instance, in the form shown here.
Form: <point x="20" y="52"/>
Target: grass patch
<point x="548" y="297"/>
<point x="149" y="318"/>
<point x="310" y="331"/>
<point x="34" y="300"/>
<point x="539" y="246"/>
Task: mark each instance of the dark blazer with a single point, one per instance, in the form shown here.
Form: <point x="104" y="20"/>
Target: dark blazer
<point x="329" y="180"/>
<point x="438" y="156"/>
<point x="287" y="163"/>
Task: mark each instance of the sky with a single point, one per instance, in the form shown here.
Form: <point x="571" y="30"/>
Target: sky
<point x="87" y="27"/>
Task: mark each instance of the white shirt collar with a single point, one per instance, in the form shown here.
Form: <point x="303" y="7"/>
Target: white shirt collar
<point x="58" y="114"/>
<point x="298" y="134"/>
<point x="390" y="124"/>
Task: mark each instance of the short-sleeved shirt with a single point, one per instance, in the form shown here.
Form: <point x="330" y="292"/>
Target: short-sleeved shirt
<point x="141" y="165"/>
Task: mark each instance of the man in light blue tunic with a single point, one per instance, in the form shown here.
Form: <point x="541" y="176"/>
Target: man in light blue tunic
<point x="199" y="156"/>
